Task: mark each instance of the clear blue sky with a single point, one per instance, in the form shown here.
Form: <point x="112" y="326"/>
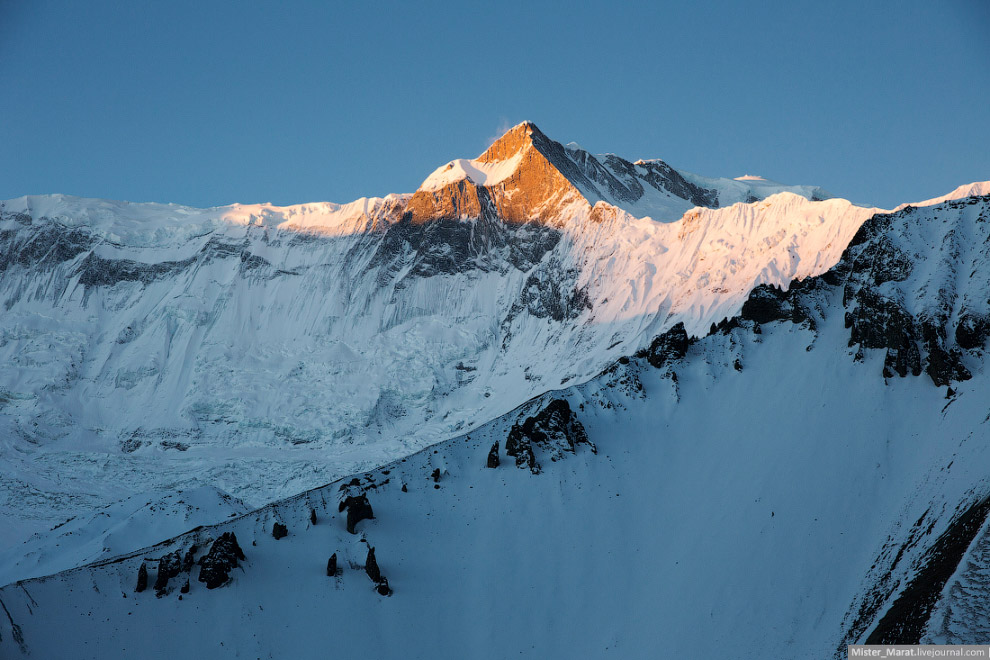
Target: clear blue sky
<point x="207" y="103"/>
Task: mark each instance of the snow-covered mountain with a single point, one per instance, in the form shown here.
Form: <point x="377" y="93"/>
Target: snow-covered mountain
<point x="810" y="473"/>
<point x="267" y="350"/>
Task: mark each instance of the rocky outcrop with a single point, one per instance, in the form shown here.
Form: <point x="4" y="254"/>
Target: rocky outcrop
<point x="358" y="508"/>
<point x="189" y="559"/>
<point x="142" y="580"/>
<point x="371" y="566"/>
<point x="889" y="304"/>
<point x="766" y="304"/>
<point x="493" y="456"/>
<point x="332" y="565"/>
<point x="279" y="531"/>
<point x="555" y="429"/>
<point x="375" y="573"/>
<point x="670" y="346"/>
<point x="169" y="567"/>
<point x="215" y="565"/>
<point x="972" y="330"/>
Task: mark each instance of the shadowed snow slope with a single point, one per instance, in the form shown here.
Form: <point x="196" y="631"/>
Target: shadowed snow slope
<point x="772" y="488"/>
<point x="116" y="529"/>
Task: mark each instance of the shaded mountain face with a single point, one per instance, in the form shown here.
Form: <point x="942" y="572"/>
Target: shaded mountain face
<point x="769" y="487"/>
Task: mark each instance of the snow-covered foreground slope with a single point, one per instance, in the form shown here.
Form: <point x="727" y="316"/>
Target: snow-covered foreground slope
<point x="116" y="529"/>
<point x="771" y="490"/>
<point x="266" y="350"/>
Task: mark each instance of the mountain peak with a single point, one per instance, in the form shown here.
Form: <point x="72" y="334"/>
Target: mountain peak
<point x="514" y="140"/>
<point x="523" y="176"/>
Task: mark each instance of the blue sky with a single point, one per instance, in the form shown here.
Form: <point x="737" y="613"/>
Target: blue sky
<point x="208" y="103"/>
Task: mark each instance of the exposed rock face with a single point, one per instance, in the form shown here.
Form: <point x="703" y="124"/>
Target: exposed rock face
<point x="215" y="566"/>
<point x="375" y="573"/>
<point x="371" y="566"/>
<point x="520" y="446"/>
<point x="493" y="456"/>
<point x="94" y="271"/>
<point x="189" y="559"/>
<point x="47" y="248"/>
<point x="768" y="303"/>
<point x="905" y="620"/>
<point x="624" y="181"/>
<point x="671" y="345"/>
<point x="383" y="589"/>
<point x="358" y="508"/>
<point x="484" y="243"/>
<point x="332" y="565"/>
<point x="888" y="304"/>
<point x="184" y="589"/>
<point x="537" y="188"/>
<point x="555" y="429"/>
<point x="279" y="531"/>
<point x="169" y="567"/>
<point x="973" y="330"/>
<point x="142" y="581"/>
<point x="550" y="292"/>
<point x="312" y="516"/>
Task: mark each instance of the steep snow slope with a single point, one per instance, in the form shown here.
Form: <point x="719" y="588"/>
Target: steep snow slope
<point x="265" y="350"/>
<point x="772" y="489"/>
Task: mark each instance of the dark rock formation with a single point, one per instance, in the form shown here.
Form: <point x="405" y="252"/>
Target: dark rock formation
<point x="671" y="345"/>
<point x="215" y="565"/>
<point x="279" y="531"/>
<point x="887" y="305"/>
<point x="435" y="475"/>
<point x="184" y="589"/>
<point x="358" y="508"/>
<point x="383" y="589"/>
<point x="493" y="456"/>
<point x="371" y="567"/>
<point x="332" y="565"/>
<point x="767" y="304"/>
<point x="189" y="559"/>
<point x="905" y="621"/>
<point x="972" y="330"/>
<point x="942" y="365"/>
<point x="142" y="581"/>
<point x="312" y="516"/>
<point x="169" y="567"/>
<point x="555" y="429"/>
<point x="764" y="305"/>
<point x="519" y="445"/>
